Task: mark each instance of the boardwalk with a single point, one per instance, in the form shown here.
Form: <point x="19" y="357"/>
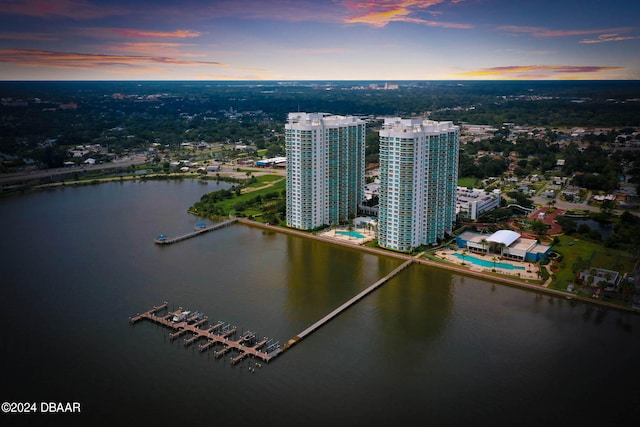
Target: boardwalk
<point x="182" y="322"/>
<point x="165" y="240"/>
<point x="346" y="305"/>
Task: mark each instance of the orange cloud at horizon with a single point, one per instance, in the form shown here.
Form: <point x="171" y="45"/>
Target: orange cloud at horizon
<point x="43" y="58"/>
<point x="539" y="71"/>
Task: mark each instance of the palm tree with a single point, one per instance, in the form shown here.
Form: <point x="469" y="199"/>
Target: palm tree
<point x="539" y="270"/>
<point x="484" y="243"/>
<point x="464" y="254"/>
<point x="494" y="259"/>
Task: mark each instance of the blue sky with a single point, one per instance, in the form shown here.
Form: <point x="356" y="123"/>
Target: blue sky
<point x="319" y="39"/>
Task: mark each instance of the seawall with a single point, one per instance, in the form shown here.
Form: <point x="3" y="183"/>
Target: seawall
<point x="522" y="284"/>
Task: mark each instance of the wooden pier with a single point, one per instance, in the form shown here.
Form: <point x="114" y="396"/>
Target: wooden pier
<point x="165" y="240"/>
<point x="345" y="306"/>
<point x="221" y="333"/>
<point x="217" y="334"/>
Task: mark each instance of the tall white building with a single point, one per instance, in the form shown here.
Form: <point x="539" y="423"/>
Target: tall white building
<point x="325" y="168"/>
<point x="418" y="182"/>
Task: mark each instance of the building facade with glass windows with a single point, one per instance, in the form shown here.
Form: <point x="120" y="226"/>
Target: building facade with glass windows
<point x="418" y="182"/>
<point x="325" y="169"/>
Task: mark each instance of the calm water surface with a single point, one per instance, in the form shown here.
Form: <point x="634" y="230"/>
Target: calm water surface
<point x="428" y="348"/>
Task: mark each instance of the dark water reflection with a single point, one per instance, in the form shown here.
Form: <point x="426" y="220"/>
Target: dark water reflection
<point x="428" y="347"/>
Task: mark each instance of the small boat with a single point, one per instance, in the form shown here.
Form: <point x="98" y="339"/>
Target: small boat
<point x="181" y="316"/>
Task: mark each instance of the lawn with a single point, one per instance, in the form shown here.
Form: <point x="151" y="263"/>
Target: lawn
<point x="469" y="182"/>
<point x="229" y="204"/>
<point x="263" y="180"/>
<point x="595" y="254"/>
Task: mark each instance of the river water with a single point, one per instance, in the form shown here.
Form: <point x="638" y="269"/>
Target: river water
<point x="428" y="348"/>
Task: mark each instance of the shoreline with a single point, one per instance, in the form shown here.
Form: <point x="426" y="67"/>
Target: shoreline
<point x="508" y="281"/>
<point x="521" y="284"/>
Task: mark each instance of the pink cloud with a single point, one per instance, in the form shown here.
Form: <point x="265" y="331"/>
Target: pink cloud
<point x="382" y="12"/>
<point x="75" y="9"/>
<point x="132" y="33"/>
<point x="44" y="58"/>
<point x="539" y="71"/>
<point x="547" y="32"/>
<point x="605" y="38"/>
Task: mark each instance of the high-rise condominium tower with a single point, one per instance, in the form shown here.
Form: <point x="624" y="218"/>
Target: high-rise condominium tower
<point x="325" y="168"/>
<point x="418" y="182"/>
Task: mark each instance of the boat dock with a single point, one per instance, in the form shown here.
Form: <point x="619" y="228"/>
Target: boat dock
<point x="345" y="306"/>
<point x="200" y="229"/>
<point x="219" y="334"/>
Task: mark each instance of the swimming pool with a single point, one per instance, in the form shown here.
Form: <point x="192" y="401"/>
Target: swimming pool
<point x="488" y="263"/>
<point x="351" y="234"/>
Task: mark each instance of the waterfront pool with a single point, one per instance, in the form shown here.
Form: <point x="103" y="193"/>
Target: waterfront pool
<point x="351" y="234"/>
<point x="488" y="263"/>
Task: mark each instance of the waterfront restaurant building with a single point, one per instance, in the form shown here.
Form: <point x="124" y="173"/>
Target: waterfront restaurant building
<point x="418" y="182"/>
<point x="325" y="169"/>
<point x="505" y="243"/>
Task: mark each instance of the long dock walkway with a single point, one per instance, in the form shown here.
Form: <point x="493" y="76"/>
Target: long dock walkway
<point x="345" y="306"/>
<point x="165" y="240"/>
<point x="182" y="322"/>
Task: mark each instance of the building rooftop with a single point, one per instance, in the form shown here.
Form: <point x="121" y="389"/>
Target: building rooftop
<point x="504" y="236"/>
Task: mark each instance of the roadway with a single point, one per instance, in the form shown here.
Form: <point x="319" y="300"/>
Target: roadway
<point x="17" y="177"/>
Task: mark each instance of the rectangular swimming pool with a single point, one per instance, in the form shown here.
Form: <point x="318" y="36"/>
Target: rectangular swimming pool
<point x="351" y="234"/>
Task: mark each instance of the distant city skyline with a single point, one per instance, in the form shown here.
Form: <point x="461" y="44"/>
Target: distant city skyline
<point x="382" y="40"/>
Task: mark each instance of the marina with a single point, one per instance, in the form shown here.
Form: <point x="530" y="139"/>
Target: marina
<point x="198" y="230"/>
<point x="183" y="321"/>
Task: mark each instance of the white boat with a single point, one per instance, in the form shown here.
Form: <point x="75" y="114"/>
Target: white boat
<point x="181" y="316"/>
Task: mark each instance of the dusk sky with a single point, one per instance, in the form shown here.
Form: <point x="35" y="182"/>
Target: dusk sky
<point x="319" y="39"/>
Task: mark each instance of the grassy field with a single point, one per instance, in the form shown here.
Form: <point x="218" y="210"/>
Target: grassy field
<point x="263" y="180"/>
<point x="268" y="184"/>
<point x="596" y="254"/>
<point x="468" y="182"/>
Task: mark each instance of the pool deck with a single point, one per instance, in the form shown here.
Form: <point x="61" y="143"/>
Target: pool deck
<point x="334" y="234"/>
<point x="530" y="271"/>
